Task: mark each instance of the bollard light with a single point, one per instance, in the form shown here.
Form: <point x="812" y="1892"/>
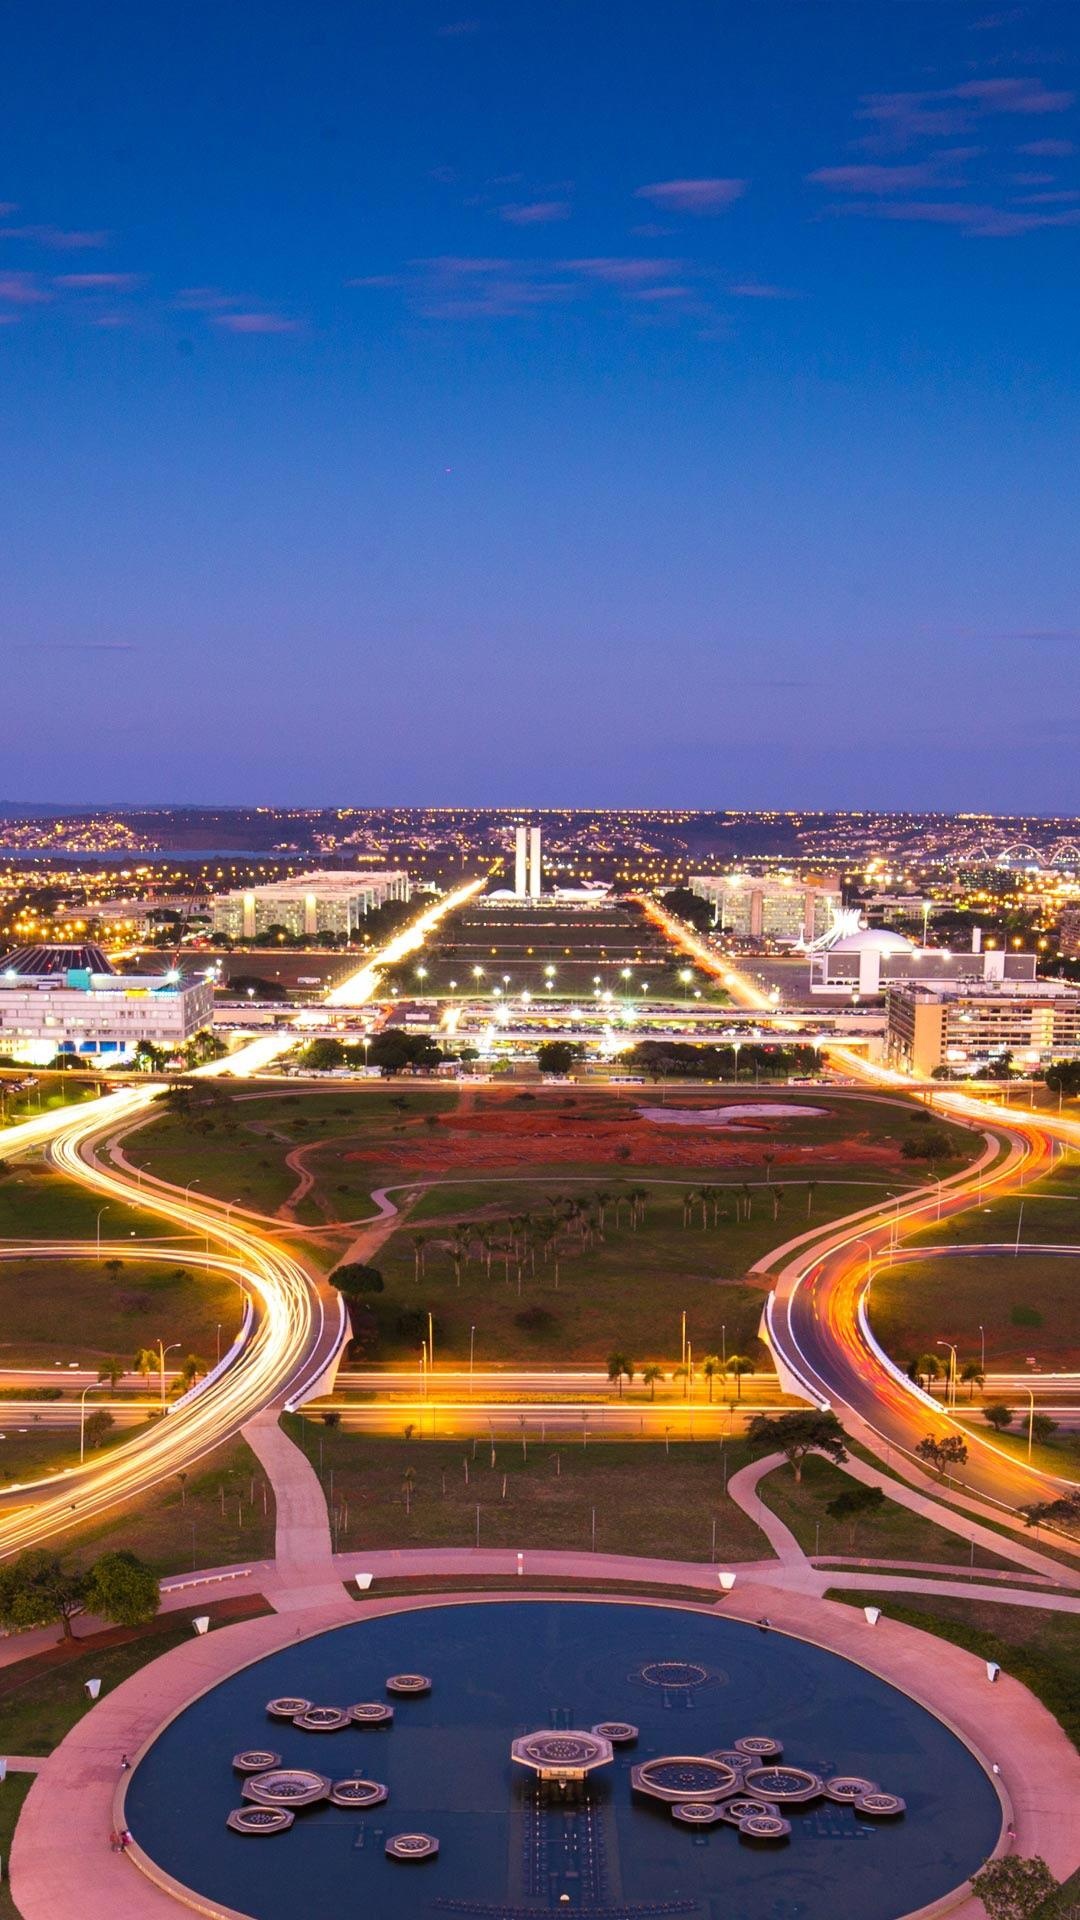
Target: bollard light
<point x="363" y="1581"/>
<point x="93" y="1688"/>
<point x="873" y="1615"/>
<point x="201" y="1623"/>
<point x="992" y="1670"/>
<point x="727" y="1581"/>
<point x="521" y="1563"/>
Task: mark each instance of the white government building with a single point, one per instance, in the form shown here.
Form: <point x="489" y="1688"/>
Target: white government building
<point x="69" y="1000"/>
<point x="329" y="901"/>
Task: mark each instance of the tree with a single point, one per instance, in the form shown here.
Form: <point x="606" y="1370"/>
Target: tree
<point x="355" y="1279"/>
<point x="322" y="1056"/>
<point x="1014" y="1888"/>
<point x="931" y="1143"/>
<point x="710" y="1367"/>
<point x="191" y="1367"/>
<point x="1042" y="1427"/>
<point x="689" y="906"/>
<point x="738" y="1364"/>
<point x="927" y="1368"/>
<point x="998" y="1415"/>
<point x="619" y="1368"/>
<point x="146" y="1362"/>
<point x="98" y="1425"/>
<point x="650" y="1375"/>
<point x="1064" y="1077"/>
<point x="113" y="1371"/>
<point x="114" y="1268"/>
<point x="797" y="1434"/>
<point x="941" y="1454"/>
<point x="558" y="1056"/>
<point x="37" y="1589"/>
<point x="122" y="1588"/>
<point x="1063" y="1513"/>
<point x="974" y="1376"/>
<point x="853" y="1502"/>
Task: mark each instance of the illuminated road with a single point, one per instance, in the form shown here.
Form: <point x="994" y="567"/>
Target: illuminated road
<point x="299" y="1324"/>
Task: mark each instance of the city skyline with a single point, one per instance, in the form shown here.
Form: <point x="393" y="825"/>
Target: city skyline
<point x="463" y="407"/>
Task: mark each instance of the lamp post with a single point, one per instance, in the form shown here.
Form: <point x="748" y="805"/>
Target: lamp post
<point x="82" y="1420"/>
<point x="950" y="1381"/>
<point x="982" y="1349"/>
<point x="100" y="1212"/>
<point x="173" y="1347"/>
<point x="1031" y="1420"/>
<point x="472" y="1350"/>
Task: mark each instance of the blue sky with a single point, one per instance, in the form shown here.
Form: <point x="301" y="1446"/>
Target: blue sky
<point x="543" y="402"/>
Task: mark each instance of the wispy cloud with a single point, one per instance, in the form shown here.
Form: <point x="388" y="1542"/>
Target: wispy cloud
<point x="256" y="322"/>
<point x="979" y="221"/>
<point x="618" y="270"/>
<point x="457" y="29"/>
<point x="872" y="177"/>
<point x="78" y="646"/>
<point x="60" y="239"/>
<point x="22" y="290"/>
<point x="761" y="290"/>
<point x="1048" y="149"/>
<point x="693" y="196"/>
<point x="535" y="213"/>
<point x="97" y="282"/>
<point x="901" y="118"/>
<point x="484" y="286"/>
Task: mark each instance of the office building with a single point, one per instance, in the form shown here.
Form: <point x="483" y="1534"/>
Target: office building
<point x="69" y="1000"/>
<point x="964" y="1026"/>
<point x="527" y="863"/>
<point x="781" y="909"/>
<point x="308" y="904"/>
<point x="1069" y="933"/>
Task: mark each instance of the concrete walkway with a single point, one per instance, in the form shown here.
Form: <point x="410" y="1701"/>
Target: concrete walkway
<point x="302" y="1574"/>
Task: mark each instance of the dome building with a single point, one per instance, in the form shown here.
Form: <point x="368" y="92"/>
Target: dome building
<point x="863" y="962"/>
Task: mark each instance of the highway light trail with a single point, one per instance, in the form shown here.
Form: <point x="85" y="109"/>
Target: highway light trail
<point x="359" y="987"/>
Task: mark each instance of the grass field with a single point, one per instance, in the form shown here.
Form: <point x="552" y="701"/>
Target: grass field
<point x="221" y="1514"/>
<point x="36" y="1204"/>
<point x="74" y="1310"/>
<point x="646" y="1501"/>
<point x="891" y="1533"/>
<point x="553" y="951"/>
<point x="1040" y="1649"/>
<point x="1027" y="1304"/>
<point x="12" y="1795"/>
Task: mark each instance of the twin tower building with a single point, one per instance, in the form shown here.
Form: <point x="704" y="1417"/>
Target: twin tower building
<point x="527" y="863"/>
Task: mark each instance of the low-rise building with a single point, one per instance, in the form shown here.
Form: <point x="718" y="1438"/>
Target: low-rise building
<point x="780" y="908"/>
<point x="963" y="1026"/>
<point x="70" y="1001"/>
<point x="308" y="904"/>
<point x="868" y="961"/>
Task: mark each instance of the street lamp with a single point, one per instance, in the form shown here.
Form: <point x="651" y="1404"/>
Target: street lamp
<point x="173" y="1347"/>
<point x="82" y="1419"/>
<point x="1031" y="1419"/>
<point x="100" y="1212"/>
<point x="950" y="1381"/>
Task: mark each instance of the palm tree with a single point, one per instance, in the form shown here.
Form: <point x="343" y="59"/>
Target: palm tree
<point x="650" y="1375"/>
<point x="738" y="1364"/>
<point x="114" y="1268"/>
<point x="683" y="1374"/>
<point x="710" y="1367"/>
<point x="974" y="1376"/>
<point x="620" y="1367"/>
<point x="603" y="1202"/>
<point x="112" y="1371"/>
<point x="407" y="1481"/>
<point x="777" y="1201"/>
<point x="146" y="1362"/>
<point x="747" y="1199"/>
<point x="689" y="1201"/>
<point x="928" y="1367"/>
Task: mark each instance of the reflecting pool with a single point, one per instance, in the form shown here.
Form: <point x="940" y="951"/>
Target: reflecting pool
<point x="692" y="1684"/>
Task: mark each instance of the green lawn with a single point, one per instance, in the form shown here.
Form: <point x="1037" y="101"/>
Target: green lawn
<point x="1040" y="1649"/>
<point x="891" y="1533"/>
<point x="627" y="1290"/>
<point x="1027" y="1303"/>
<point x="222" y="1514"/>
<point x="37" y="1204"/>
<point x="646" y="1500"/>
<point x="29" y="1449"/>
<point x="40" y="1703"/>
<point x="13" y="1792"/>
<point x="75" y="1310"/>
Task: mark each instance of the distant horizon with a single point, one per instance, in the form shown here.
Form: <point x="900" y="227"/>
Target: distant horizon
<point x="45" y="809"/>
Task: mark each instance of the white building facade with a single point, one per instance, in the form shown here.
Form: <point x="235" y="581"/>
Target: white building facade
<point x="308" y="904"/>
<point x="99" y="1017"/>
<point x="765" y="908"/>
